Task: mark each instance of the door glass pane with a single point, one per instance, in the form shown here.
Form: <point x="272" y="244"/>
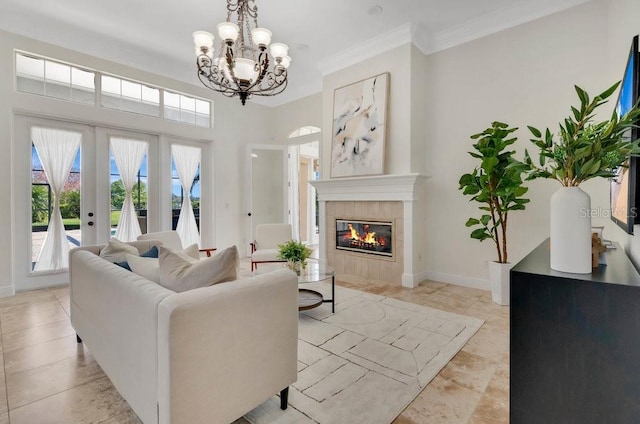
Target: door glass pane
<point x="42" y="205"/>
<point x="140" y="193"/>
<point x="177" y="195"/>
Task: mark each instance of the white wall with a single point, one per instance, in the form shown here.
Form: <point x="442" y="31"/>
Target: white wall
<point x="296" y="114"/>
<point x="230" y="135"/>
<point x="522" y="76"/>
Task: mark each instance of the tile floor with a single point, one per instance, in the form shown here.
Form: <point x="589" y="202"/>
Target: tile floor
<point x="48" y="378"/>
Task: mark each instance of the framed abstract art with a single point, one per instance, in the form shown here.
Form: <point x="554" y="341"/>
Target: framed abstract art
<point x="359" y="127"/>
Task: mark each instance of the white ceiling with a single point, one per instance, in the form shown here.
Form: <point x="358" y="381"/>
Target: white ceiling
<point x="155" y="35"/>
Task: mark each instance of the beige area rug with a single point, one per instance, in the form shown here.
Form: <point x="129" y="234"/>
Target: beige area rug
<point x="366" y="362"/>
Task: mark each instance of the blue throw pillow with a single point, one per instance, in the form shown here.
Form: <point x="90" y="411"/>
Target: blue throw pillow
<point x="151" y="253"/>
<point x="124" y="264"/>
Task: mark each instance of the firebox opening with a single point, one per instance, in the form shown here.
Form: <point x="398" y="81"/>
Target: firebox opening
<point x="371" y="237"/>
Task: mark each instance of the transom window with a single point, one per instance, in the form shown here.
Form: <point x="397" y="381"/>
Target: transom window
<point x="50" y="78"/>
<point x="309" y="129"/>
<point x="54" y="79"/>
<point x="190" y="110"/>
<point x="129" y="96"/>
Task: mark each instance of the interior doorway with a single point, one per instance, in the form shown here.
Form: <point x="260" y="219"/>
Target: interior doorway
<point x="304" y="166"/>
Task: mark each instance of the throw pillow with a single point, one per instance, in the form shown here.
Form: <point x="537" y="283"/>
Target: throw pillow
<point x="151" y="253"/>
<point x="192" y="251"/>
<point x="116" y="250"/>
<point x="148" y="267"/>
<point x="179" y="272"/>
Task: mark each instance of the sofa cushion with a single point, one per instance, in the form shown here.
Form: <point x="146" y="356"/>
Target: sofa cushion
<point x="116" y="250"/>
<point x="192" y="251"/>
<point x="179" y="272"/>
<point x="148" y="268"/>
<point x="151" y="253"/>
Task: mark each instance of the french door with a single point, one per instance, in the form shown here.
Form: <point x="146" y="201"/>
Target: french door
<point x="72" y="186"/>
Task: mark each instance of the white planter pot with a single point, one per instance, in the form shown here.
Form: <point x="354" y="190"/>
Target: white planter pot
<point x="571" y="231"/>
<point x="499" y="277"/>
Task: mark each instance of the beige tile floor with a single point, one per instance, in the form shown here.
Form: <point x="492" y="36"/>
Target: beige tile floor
<point x="48" y="378"/>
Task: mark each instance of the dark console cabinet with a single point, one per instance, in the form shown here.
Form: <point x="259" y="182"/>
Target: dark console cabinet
<point x="575" y="342"/>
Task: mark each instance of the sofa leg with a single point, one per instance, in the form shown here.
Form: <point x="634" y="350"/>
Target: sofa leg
<point x="78" y="339"/>
<point x="252" y="266"/>
<point x="284" y="398"/>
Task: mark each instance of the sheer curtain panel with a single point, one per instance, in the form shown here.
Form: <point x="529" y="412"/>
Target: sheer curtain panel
<point x="186" y="159"/>
<point x="128" y="155"/>
<point x="56" y="148"/>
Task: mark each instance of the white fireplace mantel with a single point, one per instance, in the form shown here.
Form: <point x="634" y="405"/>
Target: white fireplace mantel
<point x="408" y="188"/>
<point x="405" y="187"/>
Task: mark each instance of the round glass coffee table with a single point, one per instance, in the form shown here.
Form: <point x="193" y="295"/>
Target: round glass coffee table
<point x="315" y="273"/>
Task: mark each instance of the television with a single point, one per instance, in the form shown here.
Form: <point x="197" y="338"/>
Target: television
<point x="625" y="185"/>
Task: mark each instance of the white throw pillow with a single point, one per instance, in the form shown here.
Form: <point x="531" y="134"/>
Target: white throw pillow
<point x="116" y="250"/>
<point x="148" y="268"/>
<point x="192" y="251"/>
<point x="179" y="272"/>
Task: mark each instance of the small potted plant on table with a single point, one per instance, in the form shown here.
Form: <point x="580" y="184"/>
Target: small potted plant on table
<point x="295" y="253"/>
<point x="496" y="183"/>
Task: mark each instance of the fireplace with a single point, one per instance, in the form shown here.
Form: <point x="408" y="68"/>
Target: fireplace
<point x="370" y="237"/>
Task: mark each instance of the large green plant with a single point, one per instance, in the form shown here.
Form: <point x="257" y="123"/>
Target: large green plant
<point x="496" y="183"/>
<point x="584" y="149"/>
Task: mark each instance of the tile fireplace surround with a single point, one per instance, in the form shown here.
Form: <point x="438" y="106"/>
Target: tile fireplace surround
<point x="393" y="198"/>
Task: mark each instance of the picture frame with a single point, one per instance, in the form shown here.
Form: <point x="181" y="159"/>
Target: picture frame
<point x="359" y="127"/>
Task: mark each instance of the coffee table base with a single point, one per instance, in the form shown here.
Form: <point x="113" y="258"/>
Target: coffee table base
<point x="309" y="299"/>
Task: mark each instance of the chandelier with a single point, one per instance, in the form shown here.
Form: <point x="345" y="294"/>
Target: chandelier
<point x="242" y="67"/>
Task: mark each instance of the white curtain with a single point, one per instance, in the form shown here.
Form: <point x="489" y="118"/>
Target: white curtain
<point x="186" y="160"/>
<point x="57" y="150"/>
<point x="128" y="155"/>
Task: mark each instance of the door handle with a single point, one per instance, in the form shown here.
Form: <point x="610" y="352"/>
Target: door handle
<point x="249" y="214"/>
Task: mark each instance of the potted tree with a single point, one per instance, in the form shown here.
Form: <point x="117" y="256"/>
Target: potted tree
<point x="582" y="150"/>
<point x="496" y="183"/>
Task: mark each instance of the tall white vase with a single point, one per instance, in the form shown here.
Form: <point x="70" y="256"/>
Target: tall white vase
<point x="571" y="231"/>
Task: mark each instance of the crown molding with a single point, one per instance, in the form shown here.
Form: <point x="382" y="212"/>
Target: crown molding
<point x="367" y="49"/>
<point x="491" y="23"/>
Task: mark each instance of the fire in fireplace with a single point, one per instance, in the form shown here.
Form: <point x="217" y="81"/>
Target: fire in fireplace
<point x="365" y="237"/>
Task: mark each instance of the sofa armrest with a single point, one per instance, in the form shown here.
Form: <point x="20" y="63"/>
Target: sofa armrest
<point x="224" y="349"/>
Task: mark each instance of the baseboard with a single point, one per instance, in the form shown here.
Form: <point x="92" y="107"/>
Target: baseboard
<point x="459" y="280"/>
<point x="6" y="291"/>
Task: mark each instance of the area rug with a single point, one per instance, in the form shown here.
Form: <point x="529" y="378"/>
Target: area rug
<point x="366" y="362"/>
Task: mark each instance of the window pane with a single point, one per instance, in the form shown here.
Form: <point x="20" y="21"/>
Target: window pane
<point x="132" y="90"/>
<point x="203" y="107"/>
<point x="82" y="86"/>
<point x="187" y="103"/>
<point x="57" y="72"/>
<point x="110" y="85"/>
<point x="83" y="79"/>
<point x="150" y="95"/>
<point x="171" y="106"/>
<point x="203" y="113"/>
<point x="29" y="66"/>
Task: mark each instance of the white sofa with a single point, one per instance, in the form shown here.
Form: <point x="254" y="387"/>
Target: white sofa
<point x="207" y="355"/>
